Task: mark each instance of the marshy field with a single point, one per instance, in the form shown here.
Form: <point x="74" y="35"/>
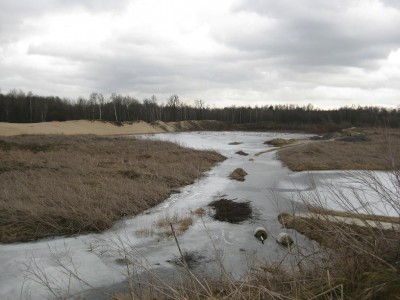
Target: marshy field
<point x="57" y="185"/>
<point x="366" y="149"/>
<point x="161" y="216"/>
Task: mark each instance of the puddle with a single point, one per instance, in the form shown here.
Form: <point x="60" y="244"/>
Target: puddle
<point x="231" y="211"/>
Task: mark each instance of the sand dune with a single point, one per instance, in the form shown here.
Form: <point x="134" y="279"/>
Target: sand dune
<point x="78" y="127"/>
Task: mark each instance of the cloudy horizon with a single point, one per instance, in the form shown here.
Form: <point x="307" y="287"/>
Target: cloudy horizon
<point x="227" y="52"/>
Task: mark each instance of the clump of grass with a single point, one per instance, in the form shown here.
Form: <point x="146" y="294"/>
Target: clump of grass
<point x="167" y="219"/>
<point x="242" y="153"/>
<point x="162" y="226"/>
<point x="86" y="183"/>
<point x="185" y="223"/>
<point x="278" y="142"/>
<point x="145" y="231"/>
<point x="200" y="212"/>
<point x="180" y="223"/>
<point x="238" y="174"/>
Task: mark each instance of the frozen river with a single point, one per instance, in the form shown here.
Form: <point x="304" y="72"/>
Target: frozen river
<point x="99" y="259"/>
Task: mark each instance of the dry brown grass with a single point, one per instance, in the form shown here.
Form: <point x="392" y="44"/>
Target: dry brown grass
<point x="346" y="214"/>
<point x="364" y="259"/>
<point x="181" y="224"/>
<point x="162" y="226"/>
<point x="379" y="152"/>
<point x="200" y="212"/>
<point x="238" y="174"/>
<point x="56" y="185"/>
<point x="280" y="142"/>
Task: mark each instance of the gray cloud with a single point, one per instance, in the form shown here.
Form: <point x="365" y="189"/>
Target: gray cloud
<point x="391" y="3"/>
<point x="14" y="13"/>
<point x="259" y="50"/>
<point x="315" y="33"/>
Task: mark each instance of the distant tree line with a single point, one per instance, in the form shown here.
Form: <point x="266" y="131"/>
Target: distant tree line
<point x="19" y="107"/>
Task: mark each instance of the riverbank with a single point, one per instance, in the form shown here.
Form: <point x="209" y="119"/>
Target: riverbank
<point x="361" y="252"/>
<point x="140" y="127"/>
<point x="56" y="185"/>
<point x="361" y="149"/>
<point x="83" y="127"/>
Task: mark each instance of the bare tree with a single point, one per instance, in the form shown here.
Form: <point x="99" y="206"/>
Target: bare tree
<point x="44" y="110"/>
<point x="116" y="100"/>
<point x="156" y="108"/>
<point x="150" y="108"/>
<point x="199" y="105"/>
<point x="173" y="103"/>
<point x="30" y="96"/>
<point x="126" y="101"/>
<point x="93" y="102"/>
<point x="100" y="99"/>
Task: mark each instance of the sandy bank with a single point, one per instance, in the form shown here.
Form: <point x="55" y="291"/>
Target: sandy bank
<point x="78" y="127"/>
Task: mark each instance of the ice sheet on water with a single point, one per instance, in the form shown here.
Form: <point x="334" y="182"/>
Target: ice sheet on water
<point x="361" y="191"/>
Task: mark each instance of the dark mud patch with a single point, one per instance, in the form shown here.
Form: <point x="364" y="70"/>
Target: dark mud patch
<point x="191" y="259"/>
<point x="242" y="153"/>
<point x="235" y="143"/>
<point x="238" y="174"/>
<point x="230" y="211"/>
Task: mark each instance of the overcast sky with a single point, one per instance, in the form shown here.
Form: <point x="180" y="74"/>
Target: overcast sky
<point x="226" y="52"/>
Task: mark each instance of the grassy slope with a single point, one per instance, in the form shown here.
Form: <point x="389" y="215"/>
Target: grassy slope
<point x="54" y="185"/>
<point x="378" y="152"/>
